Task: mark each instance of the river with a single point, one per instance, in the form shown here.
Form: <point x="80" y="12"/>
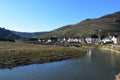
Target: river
<point x="96" y="65"/>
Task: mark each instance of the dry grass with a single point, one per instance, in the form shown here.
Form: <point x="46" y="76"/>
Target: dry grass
<point x="110" y="47"/>
<point x="15" y="54"/>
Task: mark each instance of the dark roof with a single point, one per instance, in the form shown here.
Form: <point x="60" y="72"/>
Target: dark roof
<point x="94" y="36"/>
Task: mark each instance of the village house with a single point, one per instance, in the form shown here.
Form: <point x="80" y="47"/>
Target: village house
<point x="106" y="40"/>
<point x="49" y="41"/>
<point x="92" y="39"/>
<point x="110" y="40"/>
<point x="42" y="40"/>
<point x="114" y="39"/>
<point x="75" y="40"/>
<point x="81" y="40"/>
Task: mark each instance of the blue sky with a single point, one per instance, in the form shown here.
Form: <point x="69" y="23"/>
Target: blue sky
<point x="47" y="15"/>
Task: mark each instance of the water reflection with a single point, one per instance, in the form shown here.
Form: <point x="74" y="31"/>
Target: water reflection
<point x="96" y="65"/>
<point x="113" y="62"/>
<point x="89" y="53"/>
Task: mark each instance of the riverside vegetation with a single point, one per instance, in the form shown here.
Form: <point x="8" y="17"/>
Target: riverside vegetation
<point x="14" y="54"/>
<point x="110" y="47"/>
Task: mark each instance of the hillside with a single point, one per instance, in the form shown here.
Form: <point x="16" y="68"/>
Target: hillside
<point x="7" y="34"/>
<point x="26" y="34"/>
<point x="109" y="22"/>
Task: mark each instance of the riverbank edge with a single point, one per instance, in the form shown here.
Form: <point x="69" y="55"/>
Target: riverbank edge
<point x="107" y="47"/>
<point x="75" y="53"/>
<point x="112" y="48"/>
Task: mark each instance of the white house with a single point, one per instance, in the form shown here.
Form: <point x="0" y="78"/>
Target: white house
<point x="49" y="41"/>
<point x="73" y="40"/>
<point x="106" y="40"/>
<point x="114" y="39"/>
<point x="93" y="39"/>
<point x="89" y="40"/>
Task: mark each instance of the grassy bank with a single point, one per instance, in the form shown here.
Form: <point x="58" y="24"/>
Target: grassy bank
<point x="107" y="47"/>
<point x="18" y="54"/>
<point x="110" y="47"/>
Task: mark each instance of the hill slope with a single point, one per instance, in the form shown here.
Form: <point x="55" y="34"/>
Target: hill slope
<point x="7" y="34"/>
<point x="109" y="22"/>
<point x="26" y="34"/>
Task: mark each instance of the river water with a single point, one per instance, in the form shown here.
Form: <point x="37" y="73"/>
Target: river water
<point x="96" y="65"/>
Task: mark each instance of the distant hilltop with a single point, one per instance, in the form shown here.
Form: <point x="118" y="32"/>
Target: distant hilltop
<point x="28" y="34"/>
<point x="109" y="23"/>
<point x="8" y="35"/>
